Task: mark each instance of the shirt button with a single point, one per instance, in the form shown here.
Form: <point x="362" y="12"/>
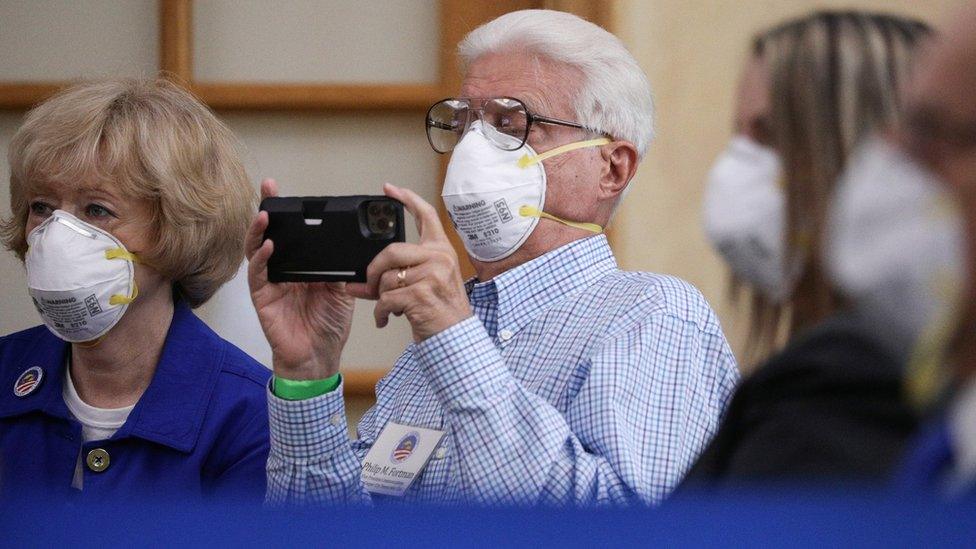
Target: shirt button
<point x="440" y="453"/>
<point x="335" y="420"/>
<point x="97" y="460"/>
<point x="505" y="335"/>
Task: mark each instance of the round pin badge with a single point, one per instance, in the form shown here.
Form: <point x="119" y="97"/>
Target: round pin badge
<point x="405" y="447"/>
<point x="29" y="381"/>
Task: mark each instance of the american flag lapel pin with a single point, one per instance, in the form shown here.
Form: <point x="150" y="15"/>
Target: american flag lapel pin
<point x="29" y="381"/>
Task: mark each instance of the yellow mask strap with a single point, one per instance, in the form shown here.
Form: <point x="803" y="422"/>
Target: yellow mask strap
<point x="90" y="344"/>
<point x="926" y="377"/>
<point x="527" y="160"/>
<point x="529" y="211"/>
<point x="119" y="253"/>
<point x="125" y="300"/>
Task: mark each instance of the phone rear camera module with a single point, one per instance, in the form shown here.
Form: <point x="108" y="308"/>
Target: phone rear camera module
<point x="381" y="219"/>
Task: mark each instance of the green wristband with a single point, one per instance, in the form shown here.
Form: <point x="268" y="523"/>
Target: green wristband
<point x="290" y="389"/>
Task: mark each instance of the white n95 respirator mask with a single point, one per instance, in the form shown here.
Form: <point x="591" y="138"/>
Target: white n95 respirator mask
<point x="895" y="247"/>
<point x="495" y="197"/>
<point x="80" y="277"/>
<point x="744" y="216"/>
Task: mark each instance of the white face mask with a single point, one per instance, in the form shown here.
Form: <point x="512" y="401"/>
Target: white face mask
<point x="80" y="277"/>
<point x="895" y="246"/>
<point x="495" y="197"/>
<point x="744" y="217"/>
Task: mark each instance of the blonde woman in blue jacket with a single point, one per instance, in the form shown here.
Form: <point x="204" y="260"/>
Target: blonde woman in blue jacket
<point x="129" y="208"/>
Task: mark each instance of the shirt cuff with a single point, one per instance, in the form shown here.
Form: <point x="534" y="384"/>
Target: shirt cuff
<point x="290" y="389"/>
<point x="307" y="430"/>
<point x="463" y="365"/>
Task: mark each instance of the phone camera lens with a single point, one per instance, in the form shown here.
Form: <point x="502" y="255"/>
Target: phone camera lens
<point x="381" y="219"/>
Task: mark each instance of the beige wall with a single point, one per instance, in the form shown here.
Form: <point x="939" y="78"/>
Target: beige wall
<point x="362" y="41"/>
<point x="692" y="52"/>
<point x="64" y="39"/>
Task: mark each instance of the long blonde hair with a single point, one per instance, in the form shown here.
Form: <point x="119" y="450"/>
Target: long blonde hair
<point x="834" y="77"/>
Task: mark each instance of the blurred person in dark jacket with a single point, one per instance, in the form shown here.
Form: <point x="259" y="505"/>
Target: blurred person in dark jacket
<point x="828" y="404"/>
<point x="910" y="201"/>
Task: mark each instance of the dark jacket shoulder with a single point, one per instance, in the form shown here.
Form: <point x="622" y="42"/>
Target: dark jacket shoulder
<point x="17" y="342"/>
<point x="830" y="405"/>
<point x="237" y="363"/>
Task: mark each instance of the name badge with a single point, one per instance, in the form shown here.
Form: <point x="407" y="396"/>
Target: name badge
<point x="397" y="457"/>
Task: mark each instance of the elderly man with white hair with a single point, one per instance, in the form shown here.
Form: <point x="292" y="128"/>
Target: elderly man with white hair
<point x="553" y="377"/>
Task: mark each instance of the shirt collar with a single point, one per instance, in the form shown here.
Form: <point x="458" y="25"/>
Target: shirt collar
<point x="534" y="286"/>
<point x="170" y="412"/>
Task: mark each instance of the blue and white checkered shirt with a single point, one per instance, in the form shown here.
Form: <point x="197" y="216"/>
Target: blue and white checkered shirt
<point x="574" y="383"/>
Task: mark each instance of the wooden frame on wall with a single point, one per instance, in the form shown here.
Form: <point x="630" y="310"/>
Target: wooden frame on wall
<point x="457" y="18"/>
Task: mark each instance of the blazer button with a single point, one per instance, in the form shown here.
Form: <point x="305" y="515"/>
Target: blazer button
<point x="97" y="460"/>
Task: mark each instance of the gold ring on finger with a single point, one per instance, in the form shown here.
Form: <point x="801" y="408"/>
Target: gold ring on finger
<point x="401" y="277"/>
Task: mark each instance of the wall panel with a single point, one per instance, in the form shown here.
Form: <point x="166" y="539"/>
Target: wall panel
<point x="336" y="41"/>
<point x="66" y="39"/>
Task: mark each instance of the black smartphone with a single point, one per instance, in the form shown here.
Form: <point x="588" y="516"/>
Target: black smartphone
<point x="329" y="238"/>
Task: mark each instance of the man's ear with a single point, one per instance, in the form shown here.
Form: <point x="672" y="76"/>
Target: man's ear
<point x="619" y="166"/>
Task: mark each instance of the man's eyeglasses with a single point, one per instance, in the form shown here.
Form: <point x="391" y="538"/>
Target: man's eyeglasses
<point x="449" y="119"/>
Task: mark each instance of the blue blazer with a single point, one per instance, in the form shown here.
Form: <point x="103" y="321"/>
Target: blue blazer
<point x="199" y="430"/>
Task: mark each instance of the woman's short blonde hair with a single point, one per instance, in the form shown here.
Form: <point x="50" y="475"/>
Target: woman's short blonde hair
<point x="154" y="141"/>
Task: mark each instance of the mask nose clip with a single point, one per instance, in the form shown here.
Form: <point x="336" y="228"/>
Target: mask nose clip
<point x="80" y="230"/>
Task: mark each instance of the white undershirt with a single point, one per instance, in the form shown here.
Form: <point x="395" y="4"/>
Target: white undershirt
<point x="96" y="423"/>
